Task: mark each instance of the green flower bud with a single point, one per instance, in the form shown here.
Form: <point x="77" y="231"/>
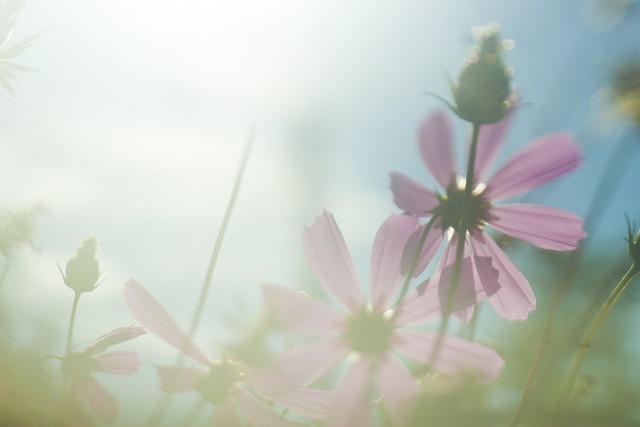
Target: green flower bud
<point x="483" y="92"/>
<point x="83" y="270"/>
<point x="633" y="241"/>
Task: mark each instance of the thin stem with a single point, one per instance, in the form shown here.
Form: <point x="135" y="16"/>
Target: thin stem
<point x="414" y="260"/>
<point x="462" y="233"/>
<point x="74" y="308"/>
<point x="616" y="166"/>
<point x="591" y="333"/>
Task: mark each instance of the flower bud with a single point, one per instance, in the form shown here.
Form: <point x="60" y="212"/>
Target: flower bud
<point x="633" y="240"/>
<point x="83" y="270"/>
<point x="483" y="91"/>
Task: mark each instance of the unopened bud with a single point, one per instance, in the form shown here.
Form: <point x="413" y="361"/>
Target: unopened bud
<point x="83" y="270"/>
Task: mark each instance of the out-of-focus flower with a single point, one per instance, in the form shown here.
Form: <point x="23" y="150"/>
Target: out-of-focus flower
<point x="625" y="89"/>
<point x="373" y="333"/>
<point x="83" y="269"/>
<point x="483" y="92"/>
<point x="548" y="228"/>
<point x="226" y="383"/>
<point x="9" y="11"/>
<point x="95" y="358"/>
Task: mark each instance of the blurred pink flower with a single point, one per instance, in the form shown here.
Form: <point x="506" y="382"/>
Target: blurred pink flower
<point x="79" y="365"/>
<point x="545" y="227"/>
<point x="374" y="332"/>
<point x="225" y="383"/>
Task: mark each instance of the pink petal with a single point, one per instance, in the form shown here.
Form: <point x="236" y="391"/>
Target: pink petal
<point x="386" y="257"/>
<point x="436" y="147"/>
<point x="425" y="302"/>
<point x="312" y="403"/>
<point x="118" y="362"/>
<point x="411" y="196"/>
<point x="298" y="312"/>
<point x="431" y="246"/>
<point x="331" y="262"/>
<point x="398" y="388"/>
<point x="515" y="298"/>
<point x="458" y="357"/>
<point x="226" y="415"/>
<point x="540" y="161"/>
<point x="99" y="399"/>
<point x="155" y="318"/>
<point x="351" y="404"/>
<point x="175" y="379"/>
<point x="542" y="226"/>
<point x="299" y="367"/>
<point x="114" y="337"/>
<point x="490" y="140"/>
<point x="260" y="414"/>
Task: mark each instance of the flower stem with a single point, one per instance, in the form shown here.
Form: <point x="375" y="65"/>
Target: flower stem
<point x="414" y="260"/>
<point x="590" y="335"/>
<point x="74" y="308"/>
<point x="461" y="238"/>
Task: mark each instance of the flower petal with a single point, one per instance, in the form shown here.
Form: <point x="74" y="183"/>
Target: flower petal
<point x="350" y="407"/>
<point x="260" y="414"/>
<point x="425" y="302"/>
<point x="386" y="257"/>
<point x="118" y="362"/>
<point x="540" y="161"/>
<point x="515" y="298"/>
<point x="398" y="388"/>
<point x="312" y="403"/>
<point x="155" y="318"/>
<point x="226" y="415"/>
<point x="436" y="147"/>
<point x="101" y="402"/>
<point x="298" y="312"/>
<point x="331" y="262"/>
<point x="490" y="140"/>
<point x="431" y="246"/>
<point x="411" y="196"/>
<point x="542" y="226"/>
<point x="174" y="379"/>
<point x="114" y="337"/>
<point x="458" y="357"/>
<point x="299" y="367"/>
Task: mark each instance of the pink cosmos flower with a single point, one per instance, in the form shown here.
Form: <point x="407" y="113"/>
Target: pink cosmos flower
<point x="79" y="365"/>
<point x="374" y="332"/>
<point x="548" y="228"/>
<point x="226" y="383"/>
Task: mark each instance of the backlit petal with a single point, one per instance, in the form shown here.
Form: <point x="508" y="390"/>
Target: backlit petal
<point x="398" y="388"/>
<point x="386" y="257"/>
<point x="156" y="319"/>
<point x="118" y="362"/>
<point x="540" y="161"/>
<point x="542" y="226"/>
<point x="260" y="414"/>
<point x="226" y="415"/>
<point x="436" y="147"/>
<point x="298" y="312"/>
<point x="101" y="402"/>
<point x="457" y="357"/>
<point x="411" y="196"/>
<point x="114" y="337"/>
<point x="490" y="140"/>
<point x="514" y="299"/>
<point x="351" y="404"/>
<point x="430" y="248"/>
<point x="175" y="379"/>
<point x="331" y="262"/>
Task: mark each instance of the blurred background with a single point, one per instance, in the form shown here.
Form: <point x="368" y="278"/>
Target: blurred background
<point x="133" y="128"/>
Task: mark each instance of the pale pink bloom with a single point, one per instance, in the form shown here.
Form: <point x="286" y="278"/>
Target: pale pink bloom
<point x="225" y="383"/>
<point x="540" y="161"/>
<point x="96" y="358"/>
<point x="374" y="332"/>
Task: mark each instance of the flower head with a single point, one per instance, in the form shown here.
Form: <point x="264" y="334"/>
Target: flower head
<point x="9" y="11"/>
<point x="539" y="162"/>
<point x="83" y="270"/>
<point x="225" y="382"/>
<point x="95" y="358"/>
<point x="371" y="331"/>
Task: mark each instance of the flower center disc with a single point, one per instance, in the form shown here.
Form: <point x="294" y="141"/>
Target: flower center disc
<point x="450" y="208"/>
<point x="369" y="333"/>
<point x="218" y="384"/>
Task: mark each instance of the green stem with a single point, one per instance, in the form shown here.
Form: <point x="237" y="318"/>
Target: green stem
<point x="461" y="235"/>
<point x="591" y="333"/>
<point x="74" y="308"/>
